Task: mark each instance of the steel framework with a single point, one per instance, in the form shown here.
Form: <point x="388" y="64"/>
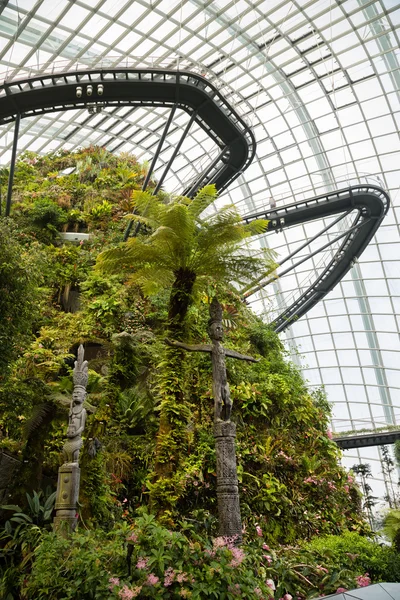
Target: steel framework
<point x="370" y="203"/>
<point x="191" y="92"/>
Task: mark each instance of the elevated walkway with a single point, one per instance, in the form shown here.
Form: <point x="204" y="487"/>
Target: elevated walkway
<point x="362" y="440"/>
<point x="235" y="148"/>
<point x="126" y="86"/>
<point x="370" y="204"/>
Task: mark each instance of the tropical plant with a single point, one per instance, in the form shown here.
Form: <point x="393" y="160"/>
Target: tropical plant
<point x="357" y="554"/>
<point x="39" y="513"/>
<point x="291" y="482"/>
<point x="185" y="253"/>
<point x="391" y="527"/>
<point x="20" y="535"/>
<point x="18" y="293"/>
<point x="161" y="564"/>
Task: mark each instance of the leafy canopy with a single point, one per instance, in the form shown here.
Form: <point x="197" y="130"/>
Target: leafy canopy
<point x="180" y="240"/>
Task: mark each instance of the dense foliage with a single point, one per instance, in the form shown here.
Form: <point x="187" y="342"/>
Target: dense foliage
<point x="148" y="438"/>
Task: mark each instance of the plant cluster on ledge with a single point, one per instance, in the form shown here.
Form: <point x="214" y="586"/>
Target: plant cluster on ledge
<point x="339" y="434"/>
<point x="148" y="460"/>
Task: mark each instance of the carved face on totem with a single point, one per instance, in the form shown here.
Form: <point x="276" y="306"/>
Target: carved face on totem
<point x="78" y="396"/>
<point x="216" y="331"/>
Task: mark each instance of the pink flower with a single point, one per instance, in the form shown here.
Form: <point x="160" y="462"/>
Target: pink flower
<point x="169" y="576"/>
<point x="237" y="557"/>
<point x="258" y="592"/>
<point x="132" y="537"/>
<point x="265" y="547"/>
<point x="219" y="542"/>
<point x="152" y="579"/>
<point x="267" y="558"/>
<point x="322" y="569"/>
<point x="127" y="594"/>
<point x="259" y="531"/>
<point x="141" y="563"/>
<point x="329" y="434"/>
<point x="270" y="584"/>
<point x="340" y="590"/>
<point x="287" y="597"/>
<point x="181" y="577"/>
<point x="346" y="488"/>
<point x="113" y="581"/>
<point x="363" y="580"/>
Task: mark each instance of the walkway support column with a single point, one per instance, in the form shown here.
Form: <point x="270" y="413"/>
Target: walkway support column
<point x="12" y="164"/>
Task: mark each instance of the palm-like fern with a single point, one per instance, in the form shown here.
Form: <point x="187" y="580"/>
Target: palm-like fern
<point x="184" y="251"/>
<point x="391" y="527"/>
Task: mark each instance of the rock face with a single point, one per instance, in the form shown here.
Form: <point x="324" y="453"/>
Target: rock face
<point x="9" y="467"/>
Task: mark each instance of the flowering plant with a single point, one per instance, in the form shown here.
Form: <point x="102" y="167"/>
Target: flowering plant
<point x="168" y="564"/>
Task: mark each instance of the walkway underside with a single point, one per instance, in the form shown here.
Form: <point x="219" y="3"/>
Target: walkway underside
<point x="369" y="439"/>
<point x="50" y="92"/>
<point x="370" y="204"/>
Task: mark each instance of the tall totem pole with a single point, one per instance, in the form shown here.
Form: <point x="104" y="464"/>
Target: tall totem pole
<point x="69" y="472"/>
<point x="230" y="524"/>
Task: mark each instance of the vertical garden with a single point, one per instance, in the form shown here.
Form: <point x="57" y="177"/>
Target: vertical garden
<point x="147" y="507"/>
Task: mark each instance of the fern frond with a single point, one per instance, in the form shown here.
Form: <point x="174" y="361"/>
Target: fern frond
<point x="179" y="220"/>
<point x="139" y="219"/>
<point x="146" y="204"/>
<point x="41" y="413"/>
<point x="202" y="200"/>
<point x="256" y="227"/>
<point x="152" y="278"/>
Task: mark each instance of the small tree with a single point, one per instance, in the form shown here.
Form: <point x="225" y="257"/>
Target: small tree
<point x="364" y="471"/>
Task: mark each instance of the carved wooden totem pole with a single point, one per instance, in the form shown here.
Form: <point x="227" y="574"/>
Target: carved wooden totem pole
<point x="69" y="472"/>
<point x="230" y="524"/>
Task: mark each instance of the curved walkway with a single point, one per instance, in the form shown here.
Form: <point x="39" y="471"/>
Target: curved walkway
<point x="121" y="86"/>
<point x="235" y="142"/>
<point x="371" y="204"/>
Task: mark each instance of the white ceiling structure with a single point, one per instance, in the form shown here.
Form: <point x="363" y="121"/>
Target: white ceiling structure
<point x="319" y="82"/>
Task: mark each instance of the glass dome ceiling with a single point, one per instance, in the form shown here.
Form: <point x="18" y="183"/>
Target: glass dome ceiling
<point x="319" y="82"/>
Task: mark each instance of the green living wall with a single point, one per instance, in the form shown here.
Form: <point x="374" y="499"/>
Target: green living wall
<point x="149" y="447"/>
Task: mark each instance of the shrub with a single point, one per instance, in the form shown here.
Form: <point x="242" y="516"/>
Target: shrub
<point x="18" y="293"/>
<point x="162" y="564"/>
<point x="76" y="568"/>
<point x="360" y="555"/>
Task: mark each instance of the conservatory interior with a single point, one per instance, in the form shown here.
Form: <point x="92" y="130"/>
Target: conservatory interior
<point x="199" y="299"/>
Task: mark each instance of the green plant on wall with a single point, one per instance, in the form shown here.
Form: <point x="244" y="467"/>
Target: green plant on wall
<point x="148" y="440"/>
<point x="183" y="253"/>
